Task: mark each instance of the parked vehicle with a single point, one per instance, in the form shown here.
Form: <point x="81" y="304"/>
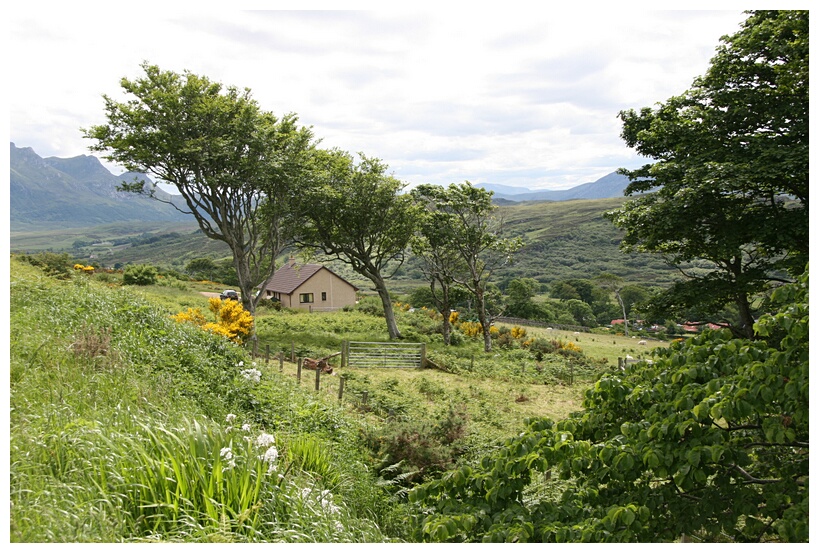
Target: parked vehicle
<point x="229" y="295"/>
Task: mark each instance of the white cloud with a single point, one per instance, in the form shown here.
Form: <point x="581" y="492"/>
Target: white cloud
<point x="518" y="96"/>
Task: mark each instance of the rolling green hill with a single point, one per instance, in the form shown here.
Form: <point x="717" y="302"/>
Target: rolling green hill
<point x="71" y="205"/>
<point x="563" y="240"/>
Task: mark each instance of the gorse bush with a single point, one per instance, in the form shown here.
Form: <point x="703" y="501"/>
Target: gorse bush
<point x="232" y="320"/>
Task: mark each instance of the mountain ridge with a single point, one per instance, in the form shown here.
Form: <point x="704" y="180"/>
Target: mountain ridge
<point x="609" y="186"/>
<point x="79" y="191"/>
<point x="57" y="192"/>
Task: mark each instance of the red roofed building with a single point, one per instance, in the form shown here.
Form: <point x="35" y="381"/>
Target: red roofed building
<point x="310" y="286"/>
<point x="696" y="327"/>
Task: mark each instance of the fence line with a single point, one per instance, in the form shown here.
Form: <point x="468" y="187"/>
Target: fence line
<point x="386" y="355"/>
<point x="528" y="322"/>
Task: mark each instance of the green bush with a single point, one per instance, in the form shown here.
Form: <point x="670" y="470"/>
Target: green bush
<point x="140" y="275"/>
<point x="57" y="265"/>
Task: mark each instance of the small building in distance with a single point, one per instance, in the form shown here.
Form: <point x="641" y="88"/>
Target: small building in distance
<point x="310" y="286"/>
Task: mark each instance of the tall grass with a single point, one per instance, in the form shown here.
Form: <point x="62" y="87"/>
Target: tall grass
<point x="128" y="427"/>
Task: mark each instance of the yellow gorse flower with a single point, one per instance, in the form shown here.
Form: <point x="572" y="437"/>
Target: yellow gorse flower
<point x="232" y="320"/>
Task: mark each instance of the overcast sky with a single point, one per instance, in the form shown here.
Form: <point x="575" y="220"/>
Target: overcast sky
<point x="520" y="96"/>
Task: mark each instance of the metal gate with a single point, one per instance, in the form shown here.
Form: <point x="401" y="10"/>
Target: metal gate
<point x="387" y="355"/>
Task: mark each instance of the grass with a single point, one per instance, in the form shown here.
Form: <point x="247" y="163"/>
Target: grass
<point x="127" y="426"/>
<point x="119" y="431"/>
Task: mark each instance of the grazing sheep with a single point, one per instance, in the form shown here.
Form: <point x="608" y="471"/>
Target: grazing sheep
<point x="642" y="343"/>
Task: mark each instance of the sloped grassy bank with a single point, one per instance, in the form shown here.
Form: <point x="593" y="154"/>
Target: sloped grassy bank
<point x="125" y="426"/>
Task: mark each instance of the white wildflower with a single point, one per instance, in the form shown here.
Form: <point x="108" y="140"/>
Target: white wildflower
<point x="227" y="456"/>
<point x="327" y="502"/>
<point x="241" y="363"/>
<point x="265" y="440"/>
<point x="252" y="375"/>
<point x="270" y="457"/>
<point x="246" y="427"/>
<point x="230" y="418"/>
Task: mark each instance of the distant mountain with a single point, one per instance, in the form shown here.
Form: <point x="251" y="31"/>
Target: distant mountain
<point x="610" y="186"/>
<point x="52" y="193"/>
<point x="48" y="193"/>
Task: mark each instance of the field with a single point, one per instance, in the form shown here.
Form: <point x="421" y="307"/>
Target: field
<point x="106" y="390"/>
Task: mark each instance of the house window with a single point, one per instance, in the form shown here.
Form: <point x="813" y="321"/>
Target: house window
<point x="324" y="296"/>
<point x="305" y="298"/>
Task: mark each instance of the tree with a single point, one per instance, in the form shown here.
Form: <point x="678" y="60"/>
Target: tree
<point x="352" y="211"/>
<point x="730" y="180"/>
<point x="633" y="296"/>
<point x="440" y="258"/>
<point x="520" y="292"/>
<point x="581" y="311"/>
<point x="201" y="267"/>
<point x="467" y="222"/>
<point x="227" y="158"/>
<point x="710" y="441"/>
<point x="613" y="284"/>
<point x="562" y="290"/>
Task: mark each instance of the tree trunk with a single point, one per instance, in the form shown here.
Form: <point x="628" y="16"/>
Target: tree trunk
<point x="623" y="307"/>
<point x="445" y="309"/>
<point x="386" y="301"/>
<point x="447" y="327"/>
<point x="480" y="306"/>
<point x="746" y="318"/>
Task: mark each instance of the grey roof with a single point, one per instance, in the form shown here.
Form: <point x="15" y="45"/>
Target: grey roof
<point x="291" y="276"/>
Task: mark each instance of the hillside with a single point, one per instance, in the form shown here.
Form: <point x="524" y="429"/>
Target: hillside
<point x="72" y="205"/>
<point x="57" y="193"/>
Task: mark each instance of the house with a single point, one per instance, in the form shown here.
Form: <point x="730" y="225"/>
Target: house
<point x="309" y="286"/>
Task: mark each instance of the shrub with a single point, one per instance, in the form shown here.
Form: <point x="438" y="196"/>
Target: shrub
<point x="232" y="320"/>
<point x="139" y="275"/>
<point x="53" y="264"/>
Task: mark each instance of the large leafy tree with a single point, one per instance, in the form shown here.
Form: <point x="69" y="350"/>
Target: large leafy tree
<point x="353" y="211"/>
<point x="468" y="223"/>
<point x="709" y="442"/>
<point x="229" y="160"/>
<point x="729" y="184"/>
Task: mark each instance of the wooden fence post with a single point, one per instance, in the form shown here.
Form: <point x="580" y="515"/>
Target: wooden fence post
<point x="343" y="353"/>
<point x="318" y="378"/>
<point x="298" y="371"/>
<point x="423" y="355"/>
<point x="267" y="353"/>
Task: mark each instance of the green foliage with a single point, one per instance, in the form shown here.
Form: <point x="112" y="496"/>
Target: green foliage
<point x="140" y="275"/>
<point x="221" y="152"/>
<point x="116" y="422"/>
<point x="463" y="229"/>
<point x="53" y="264"/>
<point x="352" y="211"/>
<point x="709" y="440"/>
<point x="734" y="149"/>
<point x="422" y="449"/>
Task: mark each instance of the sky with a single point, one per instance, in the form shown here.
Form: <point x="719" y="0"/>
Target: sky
<point x="523" y="96"/>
